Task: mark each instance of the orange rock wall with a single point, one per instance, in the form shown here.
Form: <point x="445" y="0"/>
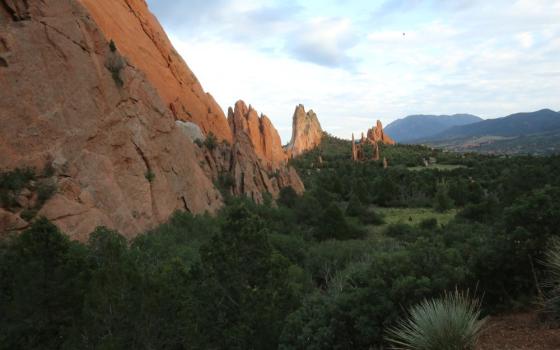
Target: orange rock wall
<point x="60" y="103"/>
<point x="140" y="37"/>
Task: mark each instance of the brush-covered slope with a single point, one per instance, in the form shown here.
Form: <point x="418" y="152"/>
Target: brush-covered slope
<point x="421" y="126"/>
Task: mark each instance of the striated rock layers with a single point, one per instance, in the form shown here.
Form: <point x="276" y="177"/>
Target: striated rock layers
<point x="94" y="90"/>
<point x="306" y="132"/>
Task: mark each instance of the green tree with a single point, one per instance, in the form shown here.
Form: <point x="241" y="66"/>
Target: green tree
<point x="240" y="291"/>
<point x="332" y="224"/>
<point x="42" y="278"/>
<point x="111" y="306"/>
<point x="288" y="197"/>
<point x="355" y="207"/>
<point x="442" y="201"/>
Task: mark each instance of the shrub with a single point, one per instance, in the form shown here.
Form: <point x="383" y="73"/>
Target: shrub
<point x="45" y="191"/>
<point x="442" y="201"/>
<point x="150" y="175"/>
<point x="288" y="197"/>
<point x="552" y="285"/>
<point x="211" y="141"/>
<point x="448" y="323"/>
<point x="12" y="182"/>
<point x="112" y="46"/>
<point x="115" y="64"/>
<point x="429" y="224"/>
<point x="355" y="207"/>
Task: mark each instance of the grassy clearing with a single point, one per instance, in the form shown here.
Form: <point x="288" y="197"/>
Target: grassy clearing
<point x="410" y="216"/>
<point x="442" y="167"/>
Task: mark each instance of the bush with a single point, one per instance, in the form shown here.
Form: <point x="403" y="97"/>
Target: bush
<point x="552" y="284"/>
<point x="45" y="191"/>
<point x="12" y="182"/>
<point x="442" y="201"/>
<point x="115" y="64"/>
<point x="211" y="141"/>
<point x="429" y="224"/>
<point x="355" y="207"/>
<point x="449" y="323"/>
<point x="333" y="225"/>
<point x="150" y="175"/>
<point x="288" y="197"/>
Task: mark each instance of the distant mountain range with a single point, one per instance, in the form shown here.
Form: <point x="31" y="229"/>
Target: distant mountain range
<point x="521" y="133"/>
<point x="518" y="124"/>
<point x="416" y="127"/>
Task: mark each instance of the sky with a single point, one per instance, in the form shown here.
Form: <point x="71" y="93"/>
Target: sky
<point x="356" y="61"/>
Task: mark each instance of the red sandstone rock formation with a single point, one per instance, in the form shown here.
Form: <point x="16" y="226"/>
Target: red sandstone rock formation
<point x="376" y="134"/>
<point x="140" y="38"/>
<point x="118" y="156"/>
<point x="262" y="134"/>
<point x="354" y="149"/>
<point x="105" y="117"/>
<point x="306" y="132"/>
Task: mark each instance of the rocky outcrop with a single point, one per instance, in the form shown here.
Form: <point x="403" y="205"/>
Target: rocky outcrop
<point x="140" y="38"/>
<point x="191" y="130"/>
<point x="264" y="138"/>
<point x="104" y="100"/>
<point x="376" y="134"/>
<point x="306" y="132"/>
<point x="119" y="158"/>
<point x="255" y="164"/>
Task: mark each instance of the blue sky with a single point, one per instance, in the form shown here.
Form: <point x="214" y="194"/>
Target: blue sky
<point x="357" y="61"/>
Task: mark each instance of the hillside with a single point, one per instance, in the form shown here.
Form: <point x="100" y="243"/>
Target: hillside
<point x="420" y="126"/>
<point x="521" y="133"/>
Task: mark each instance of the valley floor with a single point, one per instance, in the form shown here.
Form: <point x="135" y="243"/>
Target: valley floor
<point x="520" y="331"/>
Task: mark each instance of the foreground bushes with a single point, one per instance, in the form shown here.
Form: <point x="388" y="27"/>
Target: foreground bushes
<point x="449" y="323"/>
<point x="296" y="276"/>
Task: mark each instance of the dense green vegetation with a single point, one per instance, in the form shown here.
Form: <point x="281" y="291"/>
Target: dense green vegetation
<point x="335" y="268"/>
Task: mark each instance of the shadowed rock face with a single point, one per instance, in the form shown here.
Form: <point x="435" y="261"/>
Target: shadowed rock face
<point x="110" y="119"/>
<point x="306" y="132"/>
<point x="70" y="100"/>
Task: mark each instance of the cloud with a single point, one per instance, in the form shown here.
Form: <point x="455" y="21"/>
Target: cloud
<point x="324" y="41"/>
<point x="525" y="40"/>
<point x="480" y="57"/>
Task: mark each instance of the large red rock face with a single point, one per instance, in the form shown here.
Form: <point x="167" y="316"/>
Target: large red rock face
<point x="306" y="132"/>
<point x="140" y="38"/>
<point x="69" y="100"/>
<point x="105" y="117"/>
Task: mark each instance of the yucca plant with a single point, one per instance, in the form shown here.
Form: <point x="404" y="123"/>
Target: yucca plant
<point x="552" y="284"/>
<point x="448" y="323"/>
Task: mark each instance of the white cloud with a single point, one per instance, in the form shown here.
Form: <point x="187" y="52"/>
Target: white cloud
<point x="525" y="40"/>
<point x="480" y="57"/>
